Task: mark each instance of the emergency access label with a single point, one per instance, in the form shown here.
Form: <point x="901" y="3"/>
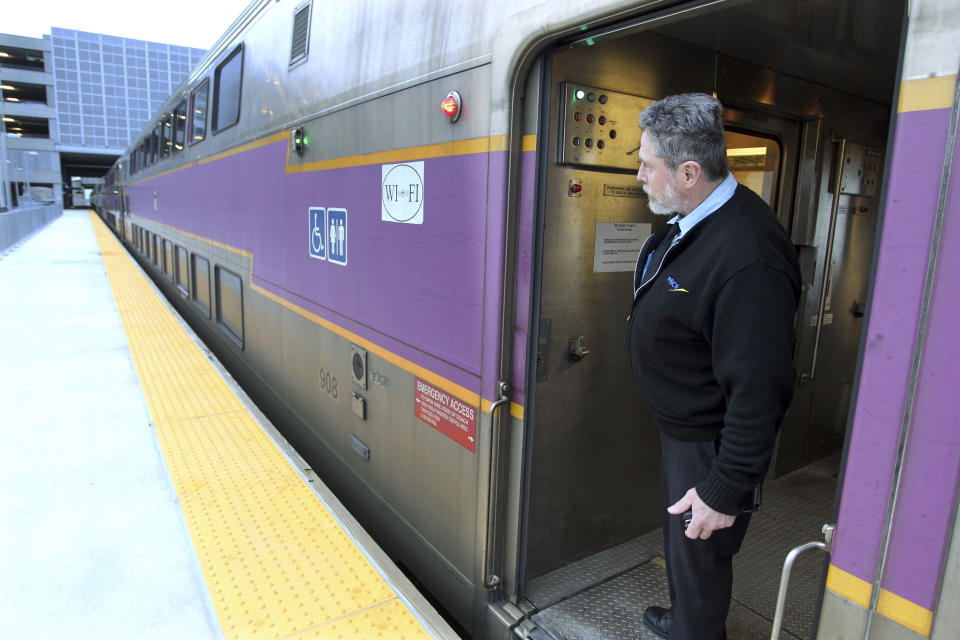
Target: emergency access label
<point x="450" y="416"/>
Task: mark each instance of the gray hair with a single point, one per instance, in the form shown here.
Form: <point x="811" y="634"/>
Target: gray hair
<point x="688" y="126"/>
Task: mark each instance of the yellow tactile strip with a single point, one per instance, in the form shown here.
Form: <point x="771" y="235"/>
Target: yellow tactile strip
<point x="277" y="563"/>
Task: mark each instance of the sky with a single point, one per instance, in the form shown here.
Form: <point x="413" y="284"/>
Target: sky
<point x="189" y="23"/>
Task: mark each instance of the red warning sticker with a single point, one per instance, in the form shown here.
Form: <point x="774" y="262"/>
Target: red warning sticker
<point x="450" y="416"/>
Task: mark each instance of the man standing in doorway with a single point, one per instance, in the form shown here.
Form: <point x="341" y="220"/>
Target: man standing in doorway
<point x="711" y="350"/>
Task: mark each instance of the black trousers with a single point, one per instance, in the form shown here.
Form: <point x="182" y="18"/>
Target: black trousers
<point x="700" y="572"/>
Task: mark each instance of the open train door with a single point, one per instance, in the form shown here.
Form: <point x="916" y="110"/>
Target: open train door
<point x="590" y="507"/>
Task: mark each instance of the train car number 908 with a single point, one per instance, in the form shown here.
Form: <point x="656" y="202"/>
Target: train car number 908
<point x="328" y="382"/>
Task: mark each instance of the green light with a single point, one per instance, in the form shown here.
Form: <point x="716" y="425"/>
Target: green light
<point x="580" y="94"/>
<point x="306" y="141"/>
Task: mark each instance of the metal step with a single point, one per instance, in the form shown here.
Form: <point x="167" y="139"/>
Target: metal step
<point x="602" y="597"/>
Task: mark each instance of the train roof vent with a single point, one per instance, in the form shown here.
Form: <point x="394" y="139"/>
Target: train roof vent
<point x="301" y="34"/>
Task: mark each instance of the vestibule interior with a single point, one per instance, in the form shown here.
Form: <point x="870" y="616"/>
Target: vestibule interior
<point x="796" y="79"/>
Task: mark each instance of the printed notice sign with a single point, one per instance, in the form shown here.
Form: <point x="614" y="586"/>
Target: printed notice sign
<point x="618" y="244"/>
<point x="623" y="191"/>
<point x="450" y="416"/>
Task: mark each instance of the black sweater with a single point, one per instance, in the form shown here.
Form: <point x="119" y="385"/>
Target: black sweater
<point x="711" y="340"/>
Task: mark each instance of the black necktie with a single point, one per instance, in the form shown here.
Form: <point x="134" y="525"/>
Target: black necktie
<point x="658" y="254"/>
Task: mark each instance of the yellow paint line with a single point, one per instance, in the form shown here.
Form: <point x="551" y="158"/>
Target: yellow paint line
<point x="901" y="610"/>
<point x="276" y="562"/>
<point x="849" y="586"/>
<point x="924" y="94"/>
<point x="889" y="604"/>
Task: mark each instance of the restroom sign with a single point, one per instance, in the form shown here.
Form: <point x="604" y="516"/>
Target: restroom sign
<point x="337" y="237"/>
<point x="402" y="192"/>
<point x="328" y="237"/>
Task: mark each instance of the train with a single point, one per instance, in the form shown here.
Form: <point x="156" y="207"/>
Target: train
<point x="409" y="230"/>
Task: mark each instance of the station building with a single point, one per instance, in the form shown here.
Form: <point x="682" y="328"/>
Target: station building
<point x="71" y="102"/>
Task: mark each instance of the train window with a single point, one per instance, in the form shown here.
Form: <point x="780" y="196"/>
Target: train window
<point x="301" y="34"/>
<point x="168" y="259"/>
<point x="201" y="283"/>
<point x="154" y="144"/>
<point x="181" y="271"/>
<point x="165" y="137"/>
<point x="226" y="90"/>
<point x="198" y="112"/>
<point x="230" y="304"/>
<point x="179" y="126"/>
<point x="155" y="249"/>
<point x="755" y="163"/>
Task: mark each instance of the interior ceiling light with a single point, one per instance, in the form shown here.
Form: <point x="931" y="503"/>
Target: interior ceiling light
<point x="747" y="151"/>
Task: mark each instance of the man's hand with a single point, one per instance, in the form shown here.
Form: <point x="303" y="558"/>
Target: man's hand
<point x="705" y="520"/>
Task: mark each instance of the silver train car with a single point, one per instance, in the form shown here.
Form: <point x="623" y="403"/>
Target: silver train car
<point x="409" y="229"/>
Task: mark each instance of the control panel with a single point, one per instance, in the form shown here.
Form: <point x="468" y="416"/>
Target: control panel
<point x="861" y="170"/>
<point x="598" y="128"/>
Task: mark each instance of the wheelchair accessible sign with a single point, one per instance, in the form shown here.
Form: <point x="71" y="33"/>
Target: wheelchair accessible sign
<point x="328" y="234"/>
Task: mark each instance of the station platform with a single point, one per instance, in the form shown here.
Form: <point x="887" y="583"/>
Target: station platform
<point x="143" y="494"/>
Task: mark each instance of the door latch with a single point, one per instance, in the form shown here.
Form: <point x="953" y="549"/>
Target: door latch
<point x="576" y="350"/>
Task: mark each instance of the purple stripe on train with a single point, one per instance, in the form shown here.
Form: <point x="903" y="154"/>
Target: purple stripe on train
<point x="925" y="509"/>
<point x="416" y="290"/>
<point x="928" y="491"/>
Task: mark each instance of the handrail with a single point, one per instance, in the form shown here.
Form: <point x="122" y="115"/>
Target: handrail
<point x="825" y="278"/>
<point x="490" y="578"/>
<point x="785" y="576"/>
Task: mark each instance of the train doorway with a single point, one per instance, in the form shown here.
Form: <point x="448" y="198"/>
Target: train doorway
<point x="812" y="146"/>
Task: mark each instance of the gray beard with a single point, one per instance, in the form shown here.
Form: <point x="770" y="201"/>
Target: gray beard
<point x="670" y="204"/>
